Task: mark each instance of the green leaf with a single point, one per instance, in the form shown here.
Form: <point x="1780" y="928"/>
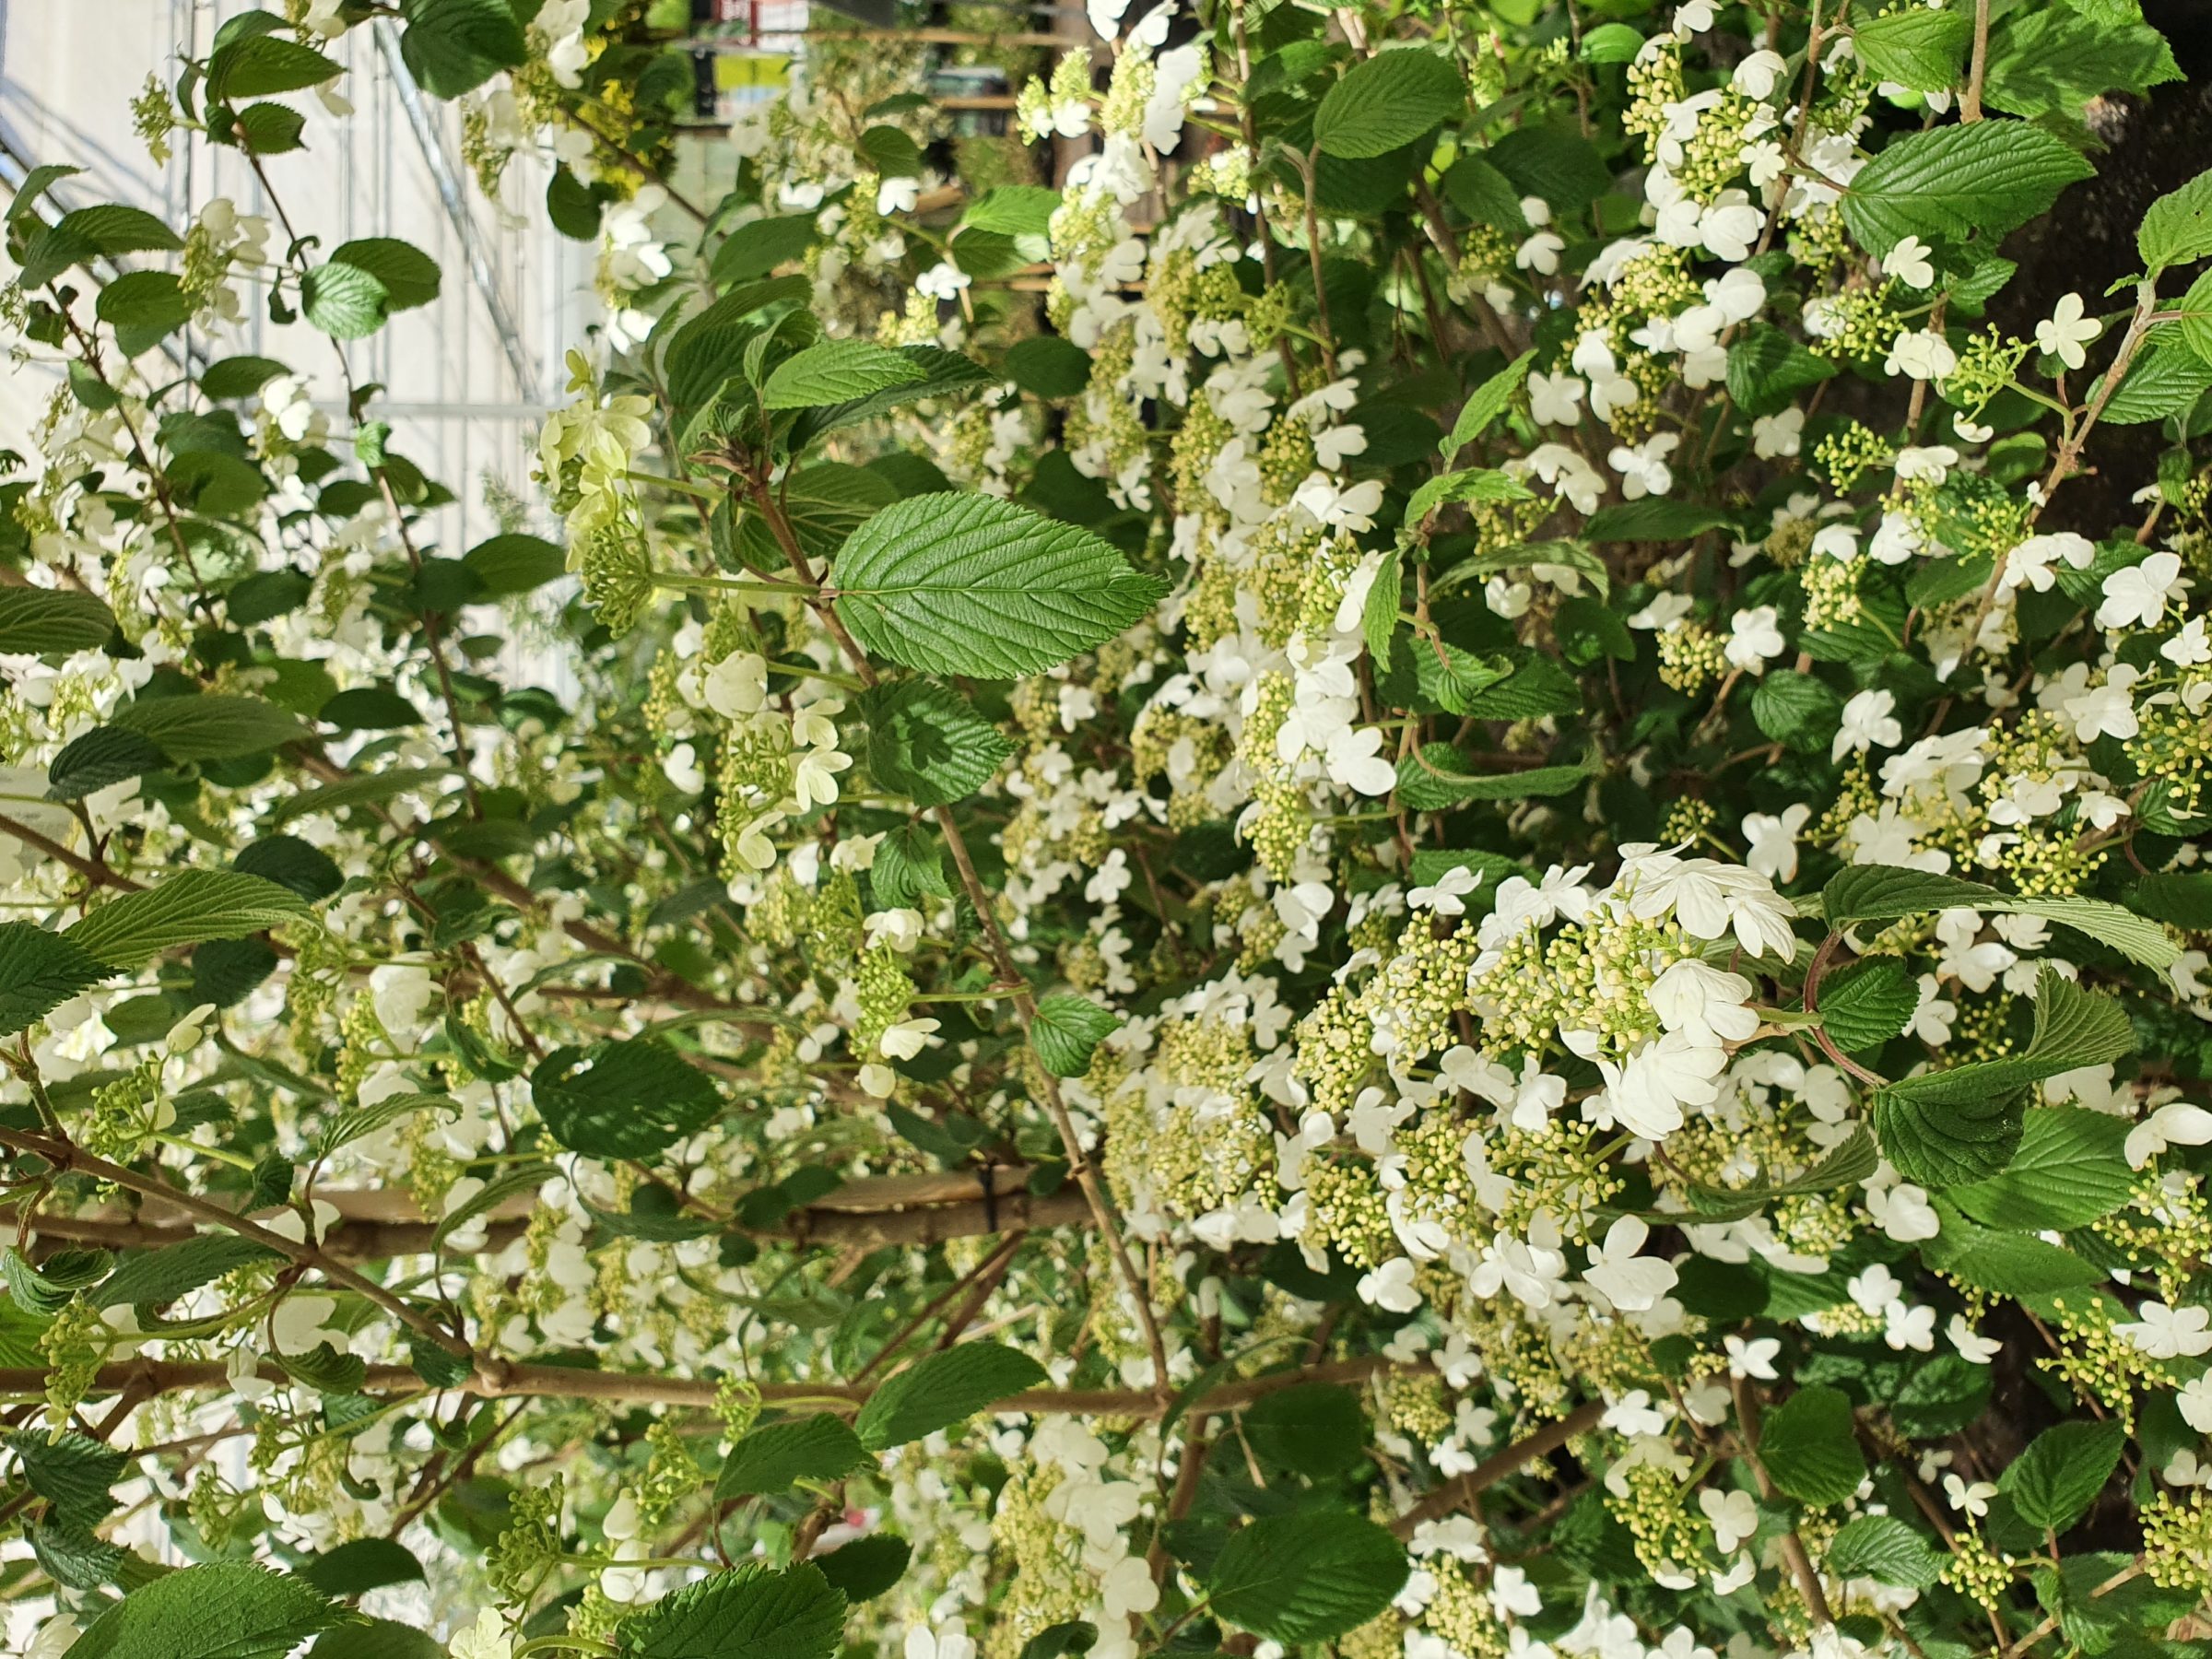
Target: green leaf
<point x="1883" y="1547"/>
<point x="835" y="371"/>
<point x="2050" y="61"/>
<point x="217" y="1611"/>
<point x="2165" y="377"/>
<point x="38" y="972"/>
<point x="362" y="1565"/>
<point x="1797" y="710"/>
<point x="351" y="294"/>
<point x="774" y="1458"/>
<point x="514" y="564"/>
<point x="968" y="585"/>
<point x="1867" y="1004"/>
<point x="1429" y="780"/>
<point x="2177" y="227"/>
<point x="1939" y="1146"/>
<point x="1655" y="518"/>
<point x="210" y="727"/>
<point x="864" y="1567"/>
<point x="109" y="229"/>
<point x="47" y="1288"/>
<point x="1489" y="401"/>
<point x="513" y="1182"/>
<point x="1808" y="1448"/>
<point x="2071" y="1167"/>
<point x="1049" y="367"/>
<point x="1073" y="1636"/>
<point x="1317" y="1428"/>
<point x="2003" y="1264"/>
<point x="103" y="756"/>
<point x="1388" y="100"/>
<point x="627" y="1098"/>
<point x="291" y="863"/>
<point x="73" y="1474"/>
<point x="890" y="152"/>
<point x="1309" y="1576"/>
<point x="1067" y="1030"/>
<point x="35" y="184"/>
<point x="191" y="906"/>
<point x="2072" y="1028"/>
<point x="753" y="1612"/>
<point x="455" y="46"/>
<point x="944" y="1389"/>
<point x="1768" y="367"/>
<point x="929" y="744"/>
<point x="235" y="377"/>
<point x="1852" y="1160"/>
<point x="2053" y="1482"/>
<point x="1379" y="616"/>
<point x="1916" y="48"/>
<point x="2183" y="897"/>
<point x="156" y="1278"/>
<point x="259" y="65"/>
<point x="376" y="1639"/>
<point x="1885" y="893"/>
<point x="756" y="249"/>
<point x="142" y="307"/>
<point x="1466" y="484"/>
<point x="40" y="621"/>
<point x="1990" y="176"/>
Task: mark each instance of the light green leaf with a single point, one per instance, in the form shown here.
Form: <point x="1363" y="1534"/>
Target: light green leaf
<point x="1810" y="1449"/>
<point x="2073" y="1027"/>
<point x="217" y="1611"/>
<point x="1379" y="616"/>
<point x="160" y="1277"/>
<point x="111" y="228"/>
<point x="1388" y="100"/>
<point x="833" y="371"/>
<point x="1867" y="1004"/>
<point x="2177" y="227"/>
<point x="350" y="295"/>
<point x="2003" y="1264"/>
<point x="1847" y="1164"/>
<point x="514" y="563"/>
<point x="36" y="622"/>
<point x="754" y="1612"/>
<point x="1067" y="1030"/>
<point x="2050" y="61"/>
<point x="968" y="585"/>
<point x="929" y="744"/>
<point x="774" y="1458"/>
<point x="1317" y="1428"/>
<point x="1467" y="484"/>
<point x="2166" y="377"/>
<point x="1308" y="1576"/>
<point x="2071" y="1169"/>
<point x="1431" y="780"/>
<point x="1916" y="47"/>
<point x="942" y="1390"/>
<point x="1990" y="176"/>
<point x="1883" y="1547"/>
<point x="189" y="908"/>
<point x="1489" y="401"/>
<point x="1885" y="893"/>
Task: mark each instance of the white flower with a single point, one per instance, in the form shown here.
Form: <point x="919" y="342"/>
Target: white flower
<point x="1969" y="1498"/>
<point x="943" y="280"/>
<point x="2176" y="1124"/>
<point x="1774" y="839"/>
<point x="1733" y="1515"/>
<point x="1754" y="1357"/>
<point x="1354" y="759"/>
<point x="1445" y="895"/>
<point x="1642" y="468"/>
<point x="1974" y="1349"/>
<point x="1868" y="722"/>
<point x="1554" y="399"/>
<point x="2030" y="562"/>
<point x="2068" y="331"/>
<point x="1778" y="437"/>
<point x="1755" y="636"/>
<point x="1759" y="74"/>
<point x="908" y="1037"/>
<point x="486" y="1639"/>
<point x="1908" y="261"/>
<point x="950" y="1640"/>
<point x="2196" y="1403"/>
<point x="186" y="1034"/>
<point x="898" y="195"/>
<point x="1127" y="1588"/>
<point x="2191" y="648"/>
<point x="1540" y="253"/>
<point x="737" y="686"/>
<point x="1922" y="355"/>
<point x="1633" y="1284"/>
<point x="1390" y="1287"/>
<point x="813" y="777"/>
<point x="2137" y="595"/>
<point x="2167" y="1333"/>
<point x="1705" y="1002"/>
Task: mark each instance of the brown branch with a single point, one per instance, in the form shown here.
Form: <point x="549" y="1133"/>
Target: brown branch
<point x="1461" y="1493"/>
<point x="90" y="868"/>
<point x="1793" y="1546"/>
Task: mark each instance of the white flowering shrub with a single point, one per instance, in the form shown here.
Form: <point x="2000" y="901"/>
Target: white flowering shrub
<point x="1393" y="881"/>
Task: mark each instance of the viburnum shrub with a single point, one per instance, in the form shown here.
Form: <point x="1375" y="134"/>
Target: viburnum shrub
<point x="1391" y="881"/>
